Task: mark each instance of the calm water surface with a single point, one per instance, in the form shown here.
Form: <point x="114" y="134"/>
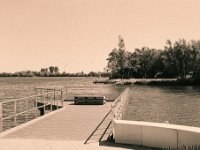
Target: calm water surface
<point x="13" y="88"/>
<point x="178" y="105"/>
<point x="20" y="87"/>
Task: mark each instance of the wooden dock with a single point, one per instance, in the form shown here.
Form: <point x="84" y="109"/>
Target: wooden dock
<point x="73" y="122"/>
<point x="74" y="127"/>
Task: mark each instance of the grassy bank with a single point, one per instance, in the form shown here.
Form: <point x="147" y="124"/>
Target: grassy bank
<point x="163" y="82"/>
<point x="152" y="82"/>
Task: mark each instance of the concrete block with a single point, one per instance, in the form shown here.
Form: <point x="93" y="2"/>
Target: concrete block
<point x="128" y="133"/>
<point x="188" y="138"/>
<point x="159" y="137"/>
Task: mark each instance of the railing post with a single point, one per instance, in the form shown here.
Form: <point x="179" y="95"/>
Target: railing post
<point x="57" y="103"/>
<point x="62" y="98"/>
<point x="26" y="110"/>
<point x="47" y="100"/>
<point x="66" y="92"/>
<point x="54" y="96"/>
<point x="36" y="114"/>
<point x="44" y="108"/>
<point x="47" y="94"/>
<point x="51" y="105"/>
<point x="41" y="95"/>
<point x="1" y="121"/>
<point x="15" y="112"/>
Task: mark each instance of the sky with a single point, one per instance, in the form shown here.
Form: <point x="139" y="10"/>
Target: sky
<point x="78" y="35"/>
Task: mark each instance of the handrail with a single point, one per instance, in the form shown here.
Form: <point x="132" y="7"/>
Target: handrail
<point x="29" y="110"/>
<point x="45" y="99"/>
<point x="48" y="89"/>
<point x="11" y="116"/>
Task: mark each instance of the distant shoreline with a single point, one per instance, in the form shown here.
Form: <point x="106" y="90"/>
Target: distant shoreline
<point x="132" y="81"/>
<point x="151" y="82"/>
<point x="49" y="76"/>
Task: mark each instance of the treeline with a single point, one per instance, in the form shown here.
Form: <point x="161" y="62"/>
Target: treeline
<point x="52" y="72"/>
<point x="180" y="59"/>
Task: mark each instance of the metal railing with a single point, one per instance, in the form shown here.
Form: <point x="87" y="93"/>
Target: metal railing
<point x="46" y="99"/>
<point x="119" y="106"/>
<point x="53" y="95"/>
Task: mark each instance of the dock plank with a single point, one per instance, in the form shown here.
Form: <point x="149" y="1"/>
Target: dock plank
<point x="74" y="122"/>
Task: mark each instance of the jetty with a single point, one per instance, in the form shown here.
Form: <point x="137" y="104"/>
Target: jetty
<point x="73" y="122"/>
<point x="61" y="125"/>
<point x="69" y="126"/>
<point x="66" y="126"/>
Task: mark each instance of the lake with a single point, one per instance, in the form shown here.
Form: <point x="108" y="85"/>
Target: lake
<point x="176" y="104"/>
<point x="11" y="88"/>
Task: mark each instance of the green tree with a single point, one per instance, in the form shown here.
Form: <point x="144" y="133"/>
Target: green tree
<point x="177" y="59"/>
<point x="56" y="70"/>
<point x="117" y="59"/>
<point x="51" y="69"/>
<point x="44" y="72"/>
<point x="144" y="60"/>
<point x="168" y="60"/>
<point x="195" y="54"/>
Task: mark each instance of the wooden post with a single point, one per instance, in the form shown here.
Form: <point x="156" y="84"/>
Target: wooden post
<point x="1" y="121"/>
<point x="15" y="112"/>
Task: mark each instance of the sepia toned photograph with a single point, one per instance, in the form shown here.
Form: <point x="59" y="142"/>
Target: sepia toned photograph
<point x="99" y="74"/>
